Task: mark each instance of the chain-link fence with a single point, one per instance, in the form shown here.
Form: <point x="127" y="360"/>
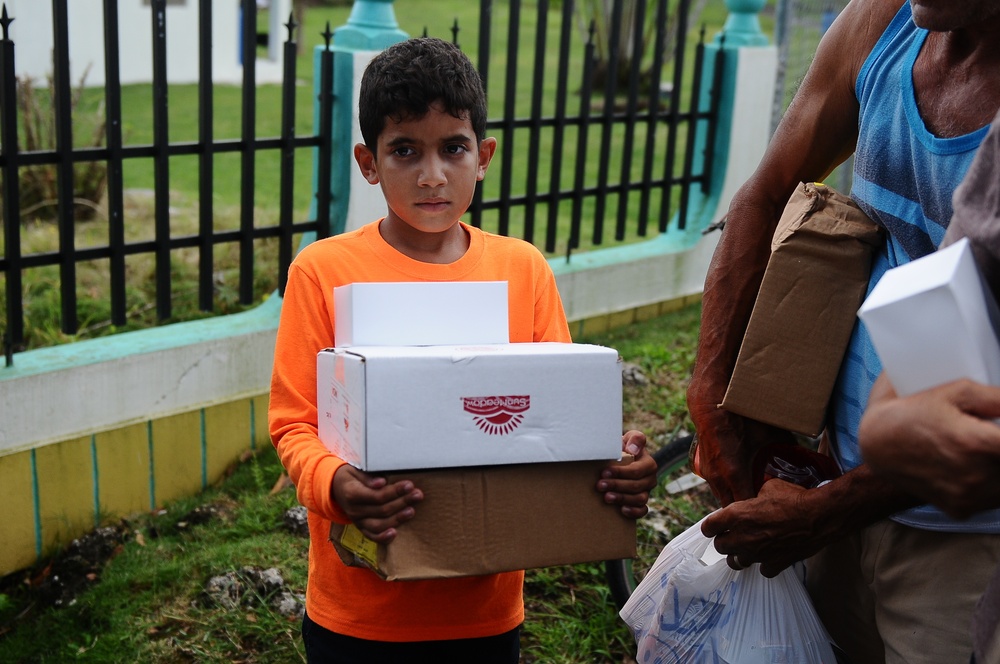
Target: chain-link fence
<point x="798" y="26"/>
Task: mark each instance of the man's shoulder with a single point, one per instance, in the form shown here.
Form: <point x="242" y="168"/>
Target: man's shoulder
<point x="860" y="26"/>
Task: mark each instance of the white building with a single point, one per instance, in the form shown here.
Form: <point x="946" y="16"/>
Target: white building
<point x="31" y="31"/>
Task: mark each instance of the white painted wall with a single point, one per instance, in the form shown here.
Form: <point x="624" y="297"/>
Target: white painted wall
<point x="366" y="202"/>
<point x="31" y="31"/>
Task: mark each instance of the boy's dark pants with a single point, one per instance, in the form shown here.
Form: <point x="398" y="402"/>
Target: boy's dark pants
<point x="326" y="647"/>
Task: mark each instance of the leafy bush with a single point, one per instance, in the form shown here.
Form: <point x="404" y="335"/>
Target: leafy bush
<point x="39" y="185"/>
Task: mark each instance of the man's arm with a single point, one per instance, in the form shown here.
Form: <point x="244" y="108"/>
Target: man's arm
<point x="818" y="132"/>
<point x="786" y="523"/>
<point x="940" y="444"/>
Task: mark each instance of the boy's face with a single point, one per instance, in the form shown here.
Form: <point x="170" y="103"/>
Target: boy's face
<point x="428" y="168"/>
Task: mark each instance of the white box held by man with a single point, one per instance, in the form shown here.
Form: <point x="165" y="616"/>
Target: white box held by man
<point x="930" y="322"/>
<point x="405" y="407"/>
<point x="421" y="313"/>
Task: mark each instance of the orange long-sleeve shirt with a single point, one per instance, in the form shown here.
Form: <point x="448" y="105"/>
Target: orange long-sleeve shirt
<point x="350" y="600"/>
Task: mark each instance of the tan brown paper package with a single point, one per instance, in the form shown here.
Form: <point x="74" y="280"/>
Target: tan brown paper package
<point x="816" y="278"/>
<point x="495" y="519"/>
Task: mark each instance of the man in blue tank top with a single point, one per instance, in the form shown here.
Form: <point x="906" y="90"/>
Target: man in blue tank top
<point x="911" y="89"/>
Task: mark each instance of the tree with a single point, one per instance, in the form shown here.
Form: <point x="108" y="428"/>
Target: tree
<point x="635" y="22"/>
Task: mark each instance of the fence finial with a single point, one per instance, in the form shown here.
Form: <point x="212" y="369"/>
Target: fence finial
<point x="5" y="21"/>
<point x="327" y="35"/>
<point x="291" y="25"/>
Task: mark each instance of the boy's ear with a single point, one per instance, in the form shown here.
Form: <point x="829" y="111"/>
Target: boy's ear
<point x="487" y="148"/>
<point x="366" y="162"/>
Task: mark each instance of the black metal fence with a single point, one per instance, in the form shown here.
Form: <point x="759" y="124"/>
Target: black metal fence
<point x="647" y="136"/>
<point x="116" y="154"/>
<point x="623" y="110"/>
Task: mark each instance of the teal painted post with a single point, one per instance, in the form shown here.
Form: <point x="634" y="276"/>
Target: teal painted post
<point x="371" y="26"/>
<point x="741" y="29"/>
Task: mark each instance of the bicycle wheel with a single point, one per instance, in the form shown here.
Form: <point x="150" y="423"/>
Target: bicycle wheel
<point x="670" y="512"/>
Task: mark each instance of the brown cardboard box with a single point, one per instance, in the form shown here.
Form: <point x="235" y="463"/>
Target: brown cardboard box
<point x="815" y="281"/>
<point x="484" y="520"/>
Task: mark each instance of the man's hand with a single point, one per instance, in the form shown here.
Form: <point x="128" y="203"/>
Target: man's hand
<point x="374" y="506"/>
<point x="940" y="444"/>
<point x="782" y="525"/>
<point x="723" y="457"/>
<point x="629" y="486"/>
<point x="725" y="447"/>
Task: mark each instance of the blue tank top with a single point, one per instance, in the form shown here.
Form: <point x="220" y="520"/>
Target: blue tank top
<point x="904" y="177"/>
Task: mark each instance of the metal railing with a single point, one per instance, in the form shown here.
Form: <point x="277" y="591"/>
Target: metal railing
<point x="649" y="134"/>
<point x="116" y="154"/>
<point x="622" y="110"/>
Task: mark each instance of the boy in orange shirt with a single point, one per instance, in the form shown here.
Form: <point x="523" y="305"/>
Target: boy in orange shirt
<point x="423" y="119"/>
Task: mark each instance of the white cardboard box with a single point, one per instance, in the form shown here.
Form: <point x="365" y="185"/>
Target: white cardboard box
<point x="386" y="408"/>
<point x="421" y="313"/>
<point x="930" y="322"/>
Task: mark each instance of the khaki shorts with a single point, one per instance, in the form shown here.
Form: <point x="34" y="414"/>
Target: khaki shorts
<point x="895" y="594"/>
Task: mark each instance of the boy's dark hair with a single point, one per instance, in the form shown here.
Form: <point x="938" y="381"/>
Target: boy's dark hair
<point x="402" y="81"/>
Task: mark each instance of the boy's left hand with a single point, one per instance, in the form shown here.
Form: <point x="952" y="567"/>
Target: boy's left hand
<point x="629" y="485"/>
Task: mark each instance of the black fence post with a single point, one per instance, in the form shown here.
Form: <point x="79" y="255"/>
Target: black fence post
<point x="535" y="130"/>
<point x="579" y="179"/>
<point x="675" y="103"/>
<point x="287" y="155"/>
<point x="64" y="166"/>
<point x="115" y="186"/>
<point x="631" y="111"/>
<point x="206" y="160"/>
<point x="607" y="122"/>
<point x="559" y="128"/>
<point x="14" y="333"/>
<point x="324" y="171"/>
<point x="248" y="168"/>
<point x="483" y="66"/>
<point x="507" y="145"/>
<point x="654" y="113"/>
<point x="161" y="160"/>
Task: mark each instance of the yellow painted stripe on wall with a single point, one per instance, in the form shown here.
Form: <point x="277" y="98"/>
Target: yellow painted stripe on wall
<point x="17" y="527"/>
<point x="177" y="456"/>
<point x="123" y="483"/>
<point x="647" y="312"/>
<point x="65" y="491"/>
<point x="261" y="436"/>
<point x="227" y="429"/>
<point x="595" y="325"/>
<point x="621" y="319"/>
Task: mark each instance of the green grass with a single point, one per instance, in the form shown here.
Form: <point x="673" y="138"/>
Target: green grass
<point x="147" y="603"/>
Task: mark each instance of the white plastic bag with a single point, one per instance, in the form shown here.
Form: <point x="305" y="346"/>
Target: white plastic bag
<point x="693" y="611"/>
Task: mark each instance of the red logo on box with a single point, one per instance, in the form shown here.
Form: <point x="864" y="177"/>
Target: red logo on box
<point x="498" y="415"/>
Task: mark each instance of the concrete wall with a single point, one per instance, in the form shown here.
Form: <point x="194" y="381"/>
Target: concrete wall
<point x="106" y="427"/>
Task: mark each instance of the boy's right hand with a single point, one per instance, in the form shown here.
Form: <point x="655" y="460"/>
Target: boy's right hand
<point x="374" y="506"/>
